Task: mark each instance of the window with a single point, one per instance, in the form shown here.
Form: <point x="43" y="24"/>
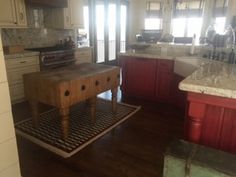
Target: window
<point x="153" y="20"/>
<point x="83" y="33"/>
<point x="220" y="24"/>
<point x="153" y="23"/>
<point x="187" y="19"/>
<point x="220" y="11"/>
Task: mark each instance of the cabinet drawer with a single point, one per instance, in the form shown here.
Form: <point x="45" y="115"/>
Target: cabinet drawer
<point x="17" y="92"/>
<point x="166" y="65"/>
<point x="21" y="62"/>
<point x="16" y="76"/>
<point x="83" y="54"/>
<point x="84" y="60"/>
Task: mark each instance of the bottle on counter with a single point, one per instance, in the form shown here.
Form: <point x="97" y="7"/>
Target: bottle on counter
<point x="192" y="48"/>
<point x="231" y="57"/>
<point x="69" y="43"/>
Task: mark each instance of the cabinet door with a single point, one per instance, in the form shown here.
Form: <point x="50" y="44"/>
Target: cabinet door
<point x="140" y="77"/>
<point x="178" y="97"/>
<point x="21" y="13"/>
<point x="67" y="17"/>
<point x="83" y="55"/>
<point x="76" y="13"/>
<point x="8" y="13"/>
<point x="163" y="85"/>
<point x="164" y="79"/>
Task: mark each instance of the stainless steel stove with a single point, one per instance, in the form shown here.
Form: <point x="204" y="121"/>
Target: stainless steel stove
<point x="55" y="57"/>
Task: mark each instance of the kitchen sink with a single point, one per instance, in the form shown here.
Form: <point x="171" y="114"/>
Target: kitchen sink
<point x="184" y="66"/>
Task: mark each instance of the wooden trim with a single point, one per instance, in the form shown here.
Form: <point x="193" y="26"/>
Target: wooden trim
<point x="118" y="26"/>
<point x="212" y="100"/>
<point x="106" y="30"/>
<point x="92" y="29"/>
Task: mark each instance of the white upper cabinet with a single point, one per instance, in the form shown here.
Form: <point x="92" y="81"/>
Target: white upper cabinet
<point x="76" y="10"/>
<point x="12" y="13"/>
<point x="21" y="13"/>
<point x="66" y="18"/>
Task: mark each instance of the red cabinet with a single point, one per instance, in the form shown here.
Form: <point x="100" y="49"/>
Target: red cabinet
<point x="152" y="79"/>
<point x="211" y="121"/>
<point x="178" y="97"/>
<point x="138" y="77"/>
<point x="164" y="75"/>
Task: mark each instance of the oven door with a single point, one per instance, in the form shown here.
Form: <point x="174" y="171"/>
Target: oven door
<point x="53" y="61"/>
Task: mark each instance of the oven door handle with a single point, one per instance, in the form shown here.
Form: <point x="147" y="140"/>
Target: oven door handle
<point x="68" y="61"/>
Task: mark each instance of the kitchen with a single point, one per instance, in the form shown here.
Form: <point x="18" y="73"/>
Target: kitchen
<point x="164" y="73"/>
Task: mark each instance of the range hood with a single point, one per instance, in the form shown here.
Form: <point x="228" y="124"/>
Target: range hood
<point x="49" y="3"/>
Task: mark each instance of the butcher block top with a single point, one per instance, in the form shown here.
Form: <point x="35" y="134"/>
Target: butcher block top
<point x="69" y="85"/>
<point x="73" y="72"/>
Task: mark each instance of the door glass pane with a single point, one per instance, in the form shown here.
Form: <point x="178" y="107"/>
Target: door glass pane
<point x="194" y="26"/>
<point x="112" y="31"/>
<point x="220" y="24"/>
<point x="100" y="33"/>
<point x="86" y="23"/>
<point x="179" y="27"/>
<point x="123" y="16"/>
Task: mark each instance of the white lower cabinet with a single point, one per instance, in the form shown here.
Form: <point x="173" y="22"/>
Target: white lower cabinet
<point x="3" y="77"/>
<point x="84" y="55"/>
<point x="16" y="68"/>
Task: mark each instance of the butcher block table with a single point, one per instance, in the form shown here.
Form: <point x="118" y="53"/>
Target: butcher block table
<point x="67" y="86"/>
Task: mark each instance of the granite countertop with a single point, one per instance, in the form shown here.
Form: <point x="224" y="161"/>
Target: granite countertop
<point x="201" y="75"/>
<point x="26" y="53"/>
<point x="212" y="78"/>
<point x="141" y="54"/>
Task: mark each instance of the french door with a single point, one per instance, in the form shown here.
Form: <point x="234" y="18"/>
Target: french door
<point x="108" y="19"/>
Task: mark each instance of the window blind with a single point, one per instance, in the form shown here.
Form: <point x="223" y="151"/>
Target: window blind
<point x="221" y="7"/>
<point x="188" y="8"/>
<point x="154" y="9"/>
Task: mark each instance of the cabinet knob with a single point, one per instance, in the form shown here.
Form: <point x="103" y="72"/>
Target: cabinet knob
<point x="83" y="87"/>
<point x="67" y="93"/>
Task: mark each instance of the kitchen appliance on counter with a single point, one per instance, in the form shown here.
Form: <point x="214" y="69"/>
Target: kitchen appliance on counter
<point x="55" y="57"/>
<point x="149" y="36"/>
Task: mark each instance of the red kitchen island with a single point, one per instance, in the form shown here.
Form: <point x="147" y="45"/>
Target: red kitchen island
<point x="211" y="106"/>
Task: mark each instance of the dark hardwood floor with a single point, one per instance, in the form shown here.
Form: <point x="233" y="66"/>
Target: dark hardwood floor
<point x="135" y="149"/>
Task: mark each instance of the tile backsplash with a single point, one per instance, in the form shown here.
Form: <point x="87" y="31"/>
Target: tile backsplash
<point x="34" y="37"/>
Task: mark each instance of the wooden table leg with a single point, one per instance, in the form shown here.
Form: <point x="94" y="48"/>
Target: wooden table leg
<point x="64" y="113"/>
<point x="114" y="99"/>
<point x="92" y="106"/>
<point x="35" y="112"/>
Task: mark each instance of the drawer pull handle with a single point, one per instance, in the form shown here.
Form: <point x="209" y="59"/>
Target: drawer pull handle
<point x="108" y="79"/>
<point x="97" y="83"/>
<point x="67" y="93"/>
<point x="21" y="16"/>
<point x="23" y="62"/>
<point x="83" y="87"/>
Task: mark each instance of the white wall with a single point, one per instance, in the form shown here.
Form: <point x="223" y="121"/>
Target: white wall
<point x="137" y="12"/>
<point x="232" y="11"/>
<point x="135" y="19"/>
<point x="9" y="162"/>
